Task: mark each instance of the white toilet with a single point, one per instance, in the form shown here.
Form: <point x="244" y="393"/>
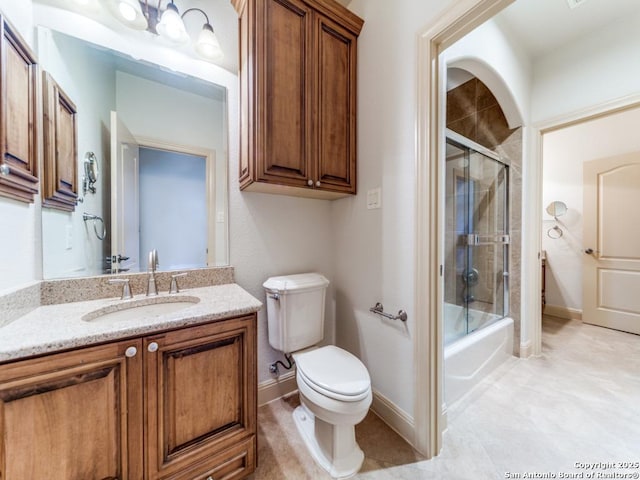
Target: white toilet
<point x="334" y="385"/>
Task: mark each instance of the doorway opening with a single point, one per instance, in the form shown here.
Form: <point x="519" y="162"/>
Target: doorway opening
<point x="173" y="207"/>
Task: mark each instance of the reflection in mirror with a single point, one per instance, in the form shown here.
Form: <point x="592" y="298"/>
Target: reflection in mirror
<point x="159" y="143"/>
<point x="557" y="209"/>
<point x="91" y="171"/>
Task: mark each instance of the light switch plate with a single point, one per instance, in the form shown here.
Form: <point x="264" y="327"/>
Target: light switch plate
<point x="374" y="198"/>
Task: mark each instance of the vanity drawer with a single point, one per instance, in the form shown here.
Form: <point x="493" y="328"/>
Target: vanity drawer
<point x="231" y="464"/>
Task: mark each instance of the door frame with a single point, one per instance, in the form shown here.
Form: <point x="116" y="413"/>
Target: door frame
<point x="209" y="156"/>
<point x="451" y="25"/>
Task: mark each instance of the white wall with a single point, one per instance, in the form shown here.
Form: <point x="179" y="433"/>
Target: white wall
<point x="151" y="109"/>
<point x="374" y="249"/>
<point x="564" y="153"/>
<point x="20" y="235"/>
<point x="602" y="66"/>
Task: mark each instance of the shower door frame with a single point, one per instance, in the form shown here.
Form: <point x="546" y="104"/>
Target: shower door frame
<point x="468" y="146"/>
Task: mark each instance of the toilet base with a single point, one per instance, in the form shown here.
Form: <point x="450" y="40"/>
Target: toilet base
<point x="333" y="447"/>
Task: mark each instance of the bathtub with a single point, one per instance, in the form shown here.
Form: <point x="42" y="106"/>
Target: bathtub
<point x="468" y="359"/>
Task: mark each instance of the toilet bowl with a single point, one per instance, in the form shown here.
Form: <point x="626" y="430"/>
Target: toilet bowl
<point x="335" y="395"/>
<point x="334" y="385"/>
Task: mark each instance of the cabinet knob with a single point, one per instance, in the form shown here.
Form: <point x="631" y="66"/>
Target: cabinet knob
<point x="310" y="182"/>
<point x="131" y="352"/>
<point x="210" y="478"/>
<point x="152" y="347"/>
<point x="318" y="183"/>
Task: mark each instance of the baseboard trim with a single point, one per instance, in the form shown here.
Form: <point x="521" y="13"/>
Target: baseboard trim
<point x="275" y="388"/>
<point x="562" y="312"/>
<point x="394" y="417"/>
<point x="389" y="412"/>
<point x="526" y="349"/>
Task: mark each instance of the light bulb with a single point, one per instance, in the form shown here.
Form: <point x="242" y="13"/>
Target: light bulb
<point x="207" y="45"/>
<point x="171" y="26"/>
<point x="127" y="11"/>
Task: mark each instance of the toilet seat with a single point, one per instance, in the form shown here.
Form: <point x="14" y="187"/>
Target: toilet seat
<point x="335" y="373"/>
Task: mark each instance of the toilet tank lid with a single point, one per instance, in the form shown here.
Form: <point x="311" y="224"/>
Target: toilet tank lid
<point x="301" y="281"/>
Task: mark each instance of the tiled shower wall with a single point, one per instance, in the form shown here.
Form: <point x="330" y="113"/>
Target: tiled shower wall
<point x="474" y="112"/>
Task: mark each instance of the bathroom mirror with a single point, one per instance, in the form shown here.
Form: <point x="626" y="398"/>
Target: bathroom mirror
<point x="557" y="209"/>
<point x="156" y="174"/>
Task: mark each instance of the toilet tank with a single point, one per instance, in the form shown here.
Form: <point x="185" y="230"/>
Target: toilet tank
<point x="295" y="310"/>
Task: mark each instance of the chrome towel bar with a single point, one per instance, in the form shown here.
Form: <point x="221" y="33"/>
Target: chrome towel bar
<point x="379" y="309"/>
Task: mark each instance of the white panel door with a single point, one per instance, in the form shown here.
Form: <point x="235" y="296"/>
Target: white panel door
<point x="125" y="224"/>
<point x="611" y="280"/>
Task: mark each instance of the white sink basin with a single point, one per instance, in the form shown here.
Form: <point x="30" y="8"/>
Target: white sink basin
<point x="143" y="308"/>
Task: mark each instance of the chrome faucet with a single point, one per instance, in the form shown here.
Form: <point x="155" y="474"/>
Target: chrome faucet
<point x="151" y="270"/>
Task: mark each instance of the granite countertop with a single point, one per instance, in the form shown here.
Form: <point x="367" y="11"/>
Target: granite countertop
<point x="51" y="328"/>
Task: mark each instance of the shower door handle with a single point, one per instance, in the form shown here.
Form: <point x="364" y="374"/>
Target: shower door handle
<point x="473" y="239"/>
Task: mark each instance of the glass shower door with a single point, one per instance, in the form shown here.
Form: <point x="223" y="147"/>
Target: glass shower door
<point x="476" y="238"/>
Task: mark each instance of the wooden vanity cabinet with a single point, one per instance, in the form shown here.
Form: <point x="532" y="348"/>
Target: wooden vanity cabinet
<point x="201" y="401"/>
<point x="175" y="405"/>
<point x="73" y="416"/>
<point x="298" y="97"/>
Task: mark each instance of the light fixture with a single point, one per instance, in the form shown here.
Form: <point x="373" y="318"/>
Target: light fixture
<point x="129" y="12"/>
<point x="168" y="24"/>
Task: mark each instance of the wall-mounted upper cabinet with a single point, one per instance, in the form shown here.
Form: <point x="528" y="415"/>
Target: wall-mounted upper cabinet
<point x="60" y="171"/>
<point x="18" y="110"/>
<point x="298" y="97"/>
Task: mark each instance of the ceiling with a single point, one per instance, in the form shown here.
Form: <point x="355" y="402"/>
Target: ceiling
<point x="543" y="25"/>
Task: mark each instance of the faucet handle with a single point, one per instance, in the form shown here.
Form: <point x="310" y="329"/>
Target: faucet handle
<point x="173" y="288"/>
<point x="126" y="289"/>
<point x="153" y="260"/>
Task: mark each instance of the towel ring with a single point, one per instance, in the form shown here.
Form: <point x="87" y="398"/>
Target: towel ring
<point x="558" y="232"/>
<point x="96" y="218"/>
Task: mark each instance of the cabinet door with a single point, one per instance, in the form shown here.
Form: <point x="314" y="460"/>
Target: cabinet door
<point x="336" y="97"/>
<point x="283" y="45"/>
<point x="60" y="134"/>
<point x="18" y="135"/>
<point x="73" y="416"/>
<point x="201" y="399"/>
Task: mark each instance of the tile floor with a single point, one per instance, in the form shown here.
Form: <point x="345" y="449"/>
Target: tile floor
<point x="578" y="402"/>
